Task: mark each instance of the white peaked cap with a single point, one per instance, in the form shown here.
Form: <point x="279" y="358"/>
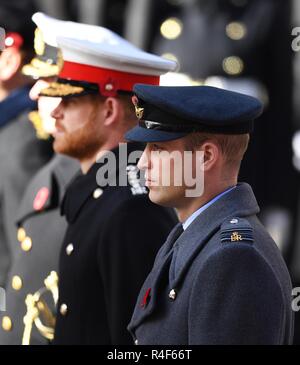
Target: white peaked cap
<point x="52" y="28"/>
<point x="113" y="52"/>
<point x="96" y="55"/>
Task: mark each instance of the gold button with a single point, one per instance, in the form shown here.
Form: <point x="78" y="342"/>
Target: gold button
<point x="26" y="244"/>
<point x="70" y="249"/>
<point x="97" y="193"/>
<point x="63" y="309"/>
<point x="21" y="234"/>
<point x="6" y="323"/>
<point x="16" y="283"/>
<point x="172" y="294"/>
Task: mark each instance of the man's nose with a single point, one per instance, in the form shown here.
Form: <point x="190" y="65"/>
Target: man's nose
<point x="57" y="112"/>
<point x="144" y="161"/>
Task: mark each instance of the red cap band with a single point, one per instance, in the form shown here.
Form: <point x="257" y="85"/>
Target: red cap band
<point x="109" y="81"/>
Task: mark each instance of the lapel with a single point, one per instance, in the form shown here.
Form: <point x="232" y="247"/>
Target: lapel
<point x="42" y="183"/>
<point x="240" y="202"/>
<point x="152" y="282"/>
<point x="161" y="265"/>
<point x="65" y="170"/>
<point x="52" y="179"/>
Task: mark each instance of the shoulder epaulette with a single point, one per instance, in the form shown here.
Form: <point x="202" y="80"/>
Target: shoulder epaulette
<point x="236" y="230"/>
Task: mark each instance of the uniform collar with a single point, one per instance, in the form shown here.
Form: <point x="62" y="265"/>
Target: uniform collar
<point x="83" y="187"/>
<point x="66" y="169"/>
<point x="239" y="202"/>
<point x="189" y="221"/>
<point x="16" y="103"/>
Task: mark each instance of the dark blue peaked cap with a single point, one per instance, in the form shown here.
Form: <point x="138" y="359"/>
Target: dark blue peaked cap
<point x="168" y="113"/>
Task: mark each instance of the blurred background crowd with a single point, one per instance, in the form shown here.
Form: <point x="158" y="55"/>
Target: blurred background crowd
<point x="242" y="45"/>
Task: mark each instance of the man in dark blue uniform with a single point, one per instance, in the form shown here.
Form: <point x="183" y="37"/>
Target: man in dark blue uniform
<point x="219" y="278"/>
<point x="105" y="255"/>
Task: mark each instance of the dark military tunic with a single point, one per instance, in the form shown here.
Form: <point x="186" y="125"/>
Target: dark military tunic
<point x="113" y="236"/>
<point x="41" y="230"/>
<point x="222" y="282"/>
<point x="21" y="156"/>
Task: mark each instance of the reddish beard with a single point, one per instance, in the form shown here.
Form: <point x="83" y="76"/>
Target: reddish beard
<point x="83" y="143"/>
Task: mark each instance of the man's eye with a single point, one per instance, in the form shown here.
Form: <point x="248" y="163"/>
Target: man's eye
<point x="156" y="147"/>
<point x="69" y="101"/>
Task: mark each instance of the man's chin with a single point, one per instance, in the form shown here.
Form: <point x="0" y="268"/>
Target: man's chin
<point x="61" y="147"/>
<point x="159" y="198"/>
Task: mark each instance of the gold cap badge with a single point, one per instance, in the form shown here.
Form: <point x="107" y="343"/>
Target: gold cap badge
<point x="138" y="111"/>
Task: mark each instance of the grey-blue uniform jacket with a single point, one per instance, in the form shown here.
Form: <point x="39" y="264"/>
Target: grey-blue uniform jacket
<point x="41" y="231"/>
<point x="223" y="281"/>
<point x="22" y="154"/>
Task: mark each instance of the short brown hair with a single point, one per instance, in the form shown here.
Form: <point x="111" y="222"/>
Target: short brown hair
<point x="233" y="146"/>
<point x="129" y="111"/>
<point x="130" y="118"/>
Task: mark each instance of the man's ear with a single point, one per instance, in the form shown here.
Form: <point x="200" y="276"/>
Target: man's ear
<point x="212" y="155"/>
<point x="113" y="111"/>
<point x="10" y="63"/>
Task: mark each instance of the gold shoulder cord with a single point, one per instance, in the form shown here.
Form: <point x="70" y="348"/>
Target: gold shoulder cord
<point x="37" y="122"/>
<point x="37" y="308"/>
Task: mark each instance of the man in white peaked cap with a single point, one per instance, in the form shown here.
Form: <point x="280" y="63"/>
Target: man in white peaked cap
<point x="110" y="242"/>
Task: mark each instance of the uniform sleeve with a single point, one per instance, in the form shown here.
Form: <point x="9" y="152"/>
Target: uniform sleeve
<point x="130" y="241"/>
<point x="236" y="300"/>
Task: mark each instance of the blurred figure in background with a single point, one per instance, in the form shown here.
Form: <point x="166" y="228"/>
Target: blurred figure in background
<point x="38" y="242"/>
<point x="21" y="152"/>
<point x="14" y="86"/>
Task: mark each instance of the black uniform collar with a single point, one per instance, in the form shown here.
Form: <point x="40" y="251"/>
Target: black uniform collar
<point x="83" y="187"/>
